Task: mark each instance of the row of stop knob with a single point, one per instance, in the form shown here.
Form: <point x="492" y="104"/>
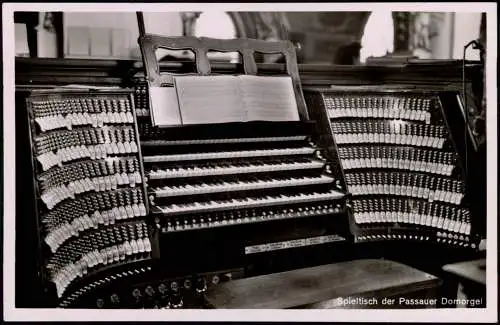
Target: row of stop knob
<point x="164" y="295"/>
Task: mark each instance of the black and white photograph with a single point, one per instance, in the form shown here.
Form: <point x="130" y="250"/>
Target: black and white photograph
<point x="250" y="161"/>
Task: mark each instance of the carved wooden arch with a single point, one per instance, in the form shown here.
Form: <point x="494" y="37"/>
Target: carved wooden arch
<point x="275" y="26"/>
<point x="258" y="25"/>
<point x="243" y="24"/>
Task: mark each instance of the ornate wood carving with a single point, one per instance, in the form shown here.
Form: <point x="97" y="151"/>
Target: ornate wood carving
<point x="310" y="31"/>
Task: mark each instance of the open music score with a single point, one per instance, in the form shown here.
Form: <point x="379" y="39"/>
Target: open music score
<point x="224" y="99"/>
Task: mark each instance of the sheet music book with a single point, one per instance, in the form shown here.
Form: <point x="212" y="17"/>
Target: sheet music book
<point x="209" y="99"/>
<point x="164" y="106"/>
<point x="225" y="99"/>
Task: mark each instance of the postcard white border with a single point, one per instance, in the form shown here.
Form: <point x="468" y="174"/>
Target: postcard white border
<point x="449" y="315"/>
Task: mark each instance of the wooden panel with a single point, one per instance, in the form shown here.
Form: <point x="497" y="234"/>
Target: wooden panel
<point x="78" y="41"/>
<point x="361" y="278"/>
<point x="100" y="42"/>
<point x="470" y="270"/>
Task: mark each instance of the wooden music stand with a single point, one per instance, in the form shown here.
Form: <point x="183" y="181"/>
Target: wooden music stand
<point x="200" y="47"/>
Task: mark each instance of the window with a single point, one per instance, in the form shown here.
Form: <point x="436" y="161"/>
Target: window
<point x="378" y="38"/>
<point x="217" y="25"/>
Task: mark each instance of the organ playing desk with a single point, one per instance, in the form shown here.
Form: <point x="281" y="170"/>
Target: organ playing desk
<point x="279" y="203"/>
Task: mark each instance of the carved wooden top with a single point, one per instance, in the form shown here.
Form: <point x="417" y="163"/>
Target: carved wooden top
<point x="201" y="46"/>
<point x="57" y="71"/>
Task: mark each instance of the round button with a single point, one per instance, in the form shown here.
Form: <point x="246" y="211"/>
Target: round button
<point x="201" y="285"/>
<point x="150" y="291"/>
<point x="100" y="303"/>
<point x="136" y="293"/>
<point x="115" y="299"/>
<point x="162" y="288"/>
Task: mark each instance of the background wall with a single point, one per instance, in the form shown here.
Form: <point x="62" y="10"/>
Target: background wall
<point x="21" y="39"/>
<point x="113" y="34"/>
<point x="442" y="44"/>
<point x="455" y="30"/>
<point x="320" y="34"/>
<point x="466" y="30"/>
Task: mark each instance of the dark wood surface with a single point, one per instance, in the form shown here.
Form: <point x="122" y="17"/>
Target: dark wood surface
<point x="446" y="74"/>
<point x="470" y="270"/>
<point x="472" y="276"/>
<point x="31" y="20"/>
<point x="360" y="278"/>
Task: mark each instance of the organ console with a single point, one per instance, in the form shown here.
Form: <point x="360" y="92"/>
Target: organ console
<point x="131" y="215"/>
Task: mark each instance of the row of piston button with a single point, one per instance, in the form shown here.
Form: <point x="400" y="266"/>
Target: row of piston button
<point x="87" y="136"/>
<point x="69" y="121"/>
<point x="389" y="127"/>
<point x="89" y="169"/>
<point x="414" y="159"/>
<point x="91" y="261"/>
<point x="57" y="236"/>
<point x="141" y="100"/>
<point x="410" y="112"/>
<point x="133" y="233"/>
<point x="97" y="206"/>
<point x="221" y="219"/>
<point x="408" y="184"/>
<point x="166" y="295"/>
<point x="128" y="274"/>
<point x="81" y="104"/>
<point x="51" y="159"/>
<point x="378" y="101"/>
<point x="440" y="237"/>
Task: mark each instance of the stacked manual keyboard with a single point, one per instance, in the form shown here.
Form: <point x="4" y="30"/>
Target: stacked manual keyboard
<point x="240" y="190"/>
<point x="207" y="182"/>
